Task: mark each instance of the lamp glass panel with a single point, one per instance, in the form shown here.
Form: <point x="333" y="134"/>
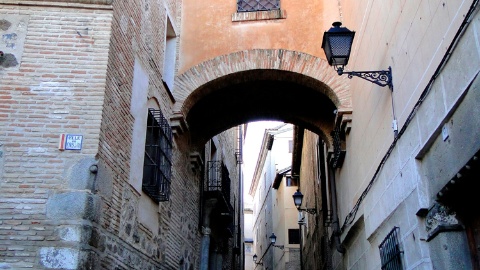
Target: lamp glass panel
<point x="273" y="238"/>
<point x="297" y="198"/>
<point x="326" y="47"/>
<point x="340" y="46"/>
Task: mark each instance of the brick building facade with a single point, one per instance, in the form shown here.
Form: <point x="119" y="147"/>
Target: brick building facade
<point x="94" y="68"/>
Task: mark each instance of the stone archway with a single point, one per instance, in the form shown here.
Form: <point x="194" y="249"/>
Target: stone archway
<point x="239" y="72"/>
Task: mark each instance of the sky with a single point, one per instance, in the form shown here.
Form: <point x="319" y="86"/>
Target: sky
<point x="253" y="141"/>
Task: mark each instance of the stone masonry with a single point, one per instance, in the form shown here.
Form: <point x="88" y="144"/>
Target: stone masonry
<point x="54" y="86"/>
<point x="69" y="68"/>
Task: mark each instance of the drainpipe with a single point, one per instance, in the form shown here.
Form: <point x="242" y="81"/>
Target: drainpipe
<point x="301" y="239"/>
<point x="206" y="231"/>
<point x="336" y="225"/>
<point x="240" y="194"/>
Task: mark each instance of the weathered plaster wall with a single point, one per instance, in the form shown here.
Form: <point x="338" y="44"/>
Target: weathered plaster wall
<point x="313" y="248"/>
<point x="208" y="30"/>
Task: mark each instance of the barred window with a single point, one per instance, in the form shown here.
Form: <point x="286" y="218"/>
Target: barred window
<point x="390" y="252"/>
<point x="157" y="165"/>
<point x="293" y="236"/>
<point x="257" y="5"/>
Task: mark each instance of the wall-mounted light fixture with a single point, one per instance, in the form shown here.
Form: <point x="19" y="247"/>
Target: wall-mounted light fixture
<point x="255" y="257"/>
<point x="337" y="44"/>
<point x="298" y="200"/>
<point x="273" y="239"/>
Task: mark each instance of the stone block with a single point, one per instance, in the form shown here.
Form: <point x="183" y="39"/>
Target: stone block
<point x="357" y="246"/>
<point x="430" y="115"/>
<point x="360" y="264"/>
<point x="74" y="233"/>
<point x="412" y="205"/>
<point x="444" y="158"/>
<point x="378" y="188"/>
<point x="450" y="251"/>
<point x="103" y="182"/>
<point x="455" y="76"/>
<point x="406" y="181"/>
<point x="81" y="174"/>
<point x="411" y="247"/>
<point x="63" y="258"/>
<point x="407" y="145"/>
<point x="73" y="205"/>
<point x="13" y="29"/>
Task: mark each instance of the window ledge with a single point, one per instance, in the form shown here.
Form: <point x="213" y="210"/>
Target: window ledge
<point x="259" y="15"/>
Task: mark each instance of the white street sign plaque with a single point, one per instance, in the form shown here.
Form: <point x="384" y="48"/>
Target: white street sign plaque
<point x="73" y="142"/>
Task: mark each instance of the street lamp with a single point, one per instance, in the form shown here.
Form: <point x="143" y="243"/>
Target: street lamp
<point x="337" y="44"/>
<point x="273" y="239"/>
<point x="298" y="199"/>
<point x="255" y="257"/>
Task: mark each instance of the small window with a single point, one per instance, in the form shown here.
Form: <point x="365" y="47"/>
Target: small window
<point x="157" y="165"/>
<point x="293" y="236"/>
<point x="248" y="248"/>
<point x="291" y="182"/>
<point x="390" y="252"/>
<point x="290" y="146"/>
<point x="257" y="5"/>
<point x="169" y="63"/>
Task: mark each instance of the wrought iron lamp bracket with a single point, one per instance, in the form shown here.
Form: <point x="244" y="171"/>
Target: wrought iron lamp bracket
<point x="382" y="77"/>
<point x="279" y="246"/>
<point x="312" y="211"/>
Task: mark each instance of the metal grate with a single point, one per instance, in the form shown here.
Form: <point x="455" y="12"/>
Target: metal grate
<point x="293" y="236"/>
<point x="157" y="165"/>
<point x="337" y="147"/>
<point x="257" y="5"/>
<point x="218" y="179"/>
<point x="390" y="252"/>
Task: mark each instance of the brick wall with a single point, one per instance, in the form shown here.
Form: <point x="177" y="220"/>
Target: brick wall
<point x="53" y="83"/>
<point x="84" y="205"/>
<point x="138" y="36"/>
<point x="138" y="31"/>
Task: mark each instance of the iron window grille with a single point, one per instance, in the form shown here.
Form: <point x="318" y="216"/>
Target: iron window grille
<point x="257" y="5"/>
<point x="390" y="251"/>
<point x="157" y="166"/>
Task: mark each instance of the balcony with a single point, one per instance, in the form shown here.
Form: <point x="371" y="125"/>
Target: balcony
<point x="217" y="186"/>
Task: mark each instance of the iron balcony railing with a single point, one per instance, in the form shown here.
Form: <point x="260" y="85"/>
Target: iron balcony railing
<point x="218" y="179"/>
